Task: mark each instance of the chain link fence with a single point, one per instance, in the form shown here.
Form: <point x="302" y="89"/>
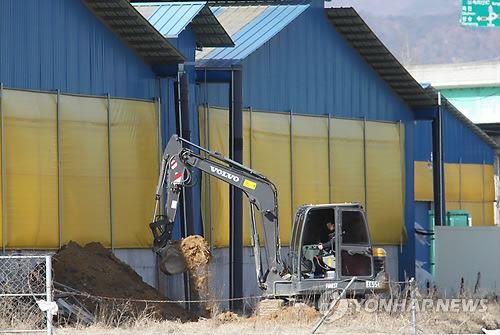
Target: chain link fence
<point x="26" y="294"/>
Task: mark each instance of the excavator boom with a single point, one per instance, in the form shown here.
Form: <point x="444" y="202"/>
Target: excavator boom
<point x="175" y="174"/>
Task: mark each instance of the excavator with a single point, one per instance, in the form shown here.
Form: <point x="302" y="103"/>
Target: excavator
<point x="317" y="262"/>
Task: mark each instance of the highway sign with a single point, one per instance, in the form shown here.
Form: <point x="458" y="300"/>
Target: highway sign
<point x="480" y="13"/>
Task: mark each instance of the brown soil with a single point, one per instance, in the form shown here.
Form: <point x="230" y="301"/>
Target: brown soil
<point x="196" y="253"/>
<point x="227" y="317"/>
<point x="93" y="269"/>
<point x="195" y="250"/>
<point x="296" y="313"/>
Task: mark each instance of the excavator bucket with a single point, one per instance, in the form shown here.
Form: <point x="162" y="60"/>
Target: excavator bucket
<point x="172" y="260"/>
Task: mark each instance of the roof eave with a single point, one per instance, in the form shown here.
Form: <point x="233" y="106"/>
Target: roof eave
<point x="196" y="15"/>
<point x="215" y="35"/>
<point x="137" y="33"/>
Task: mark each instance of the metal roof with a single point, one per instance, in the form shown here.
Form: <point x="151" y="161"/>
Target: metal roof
<point x="171" y="18"/>
<point x="132" y="28"/>
<point x="250" y="27"/>
<point x="359" y="35"/>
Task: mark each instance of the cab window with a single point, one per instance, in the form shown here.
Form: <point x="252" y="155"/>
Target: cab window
<point x="354" y="230"/>
<point x="315" y="230"/>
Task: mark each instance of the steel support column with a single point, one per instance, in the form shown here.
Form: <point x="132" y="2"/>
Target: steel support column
<point x="235" y="197"/>
<point x="438" y="167"/>
<point x="184" y="129"/>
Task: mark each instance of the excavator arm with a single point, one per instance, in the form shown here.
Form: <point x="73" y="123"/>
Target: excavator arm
<point x="175" y="174"/>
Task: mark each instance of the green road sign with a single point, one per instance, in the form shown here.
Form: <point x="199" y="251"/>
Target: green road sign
<point x="480" y="13"/>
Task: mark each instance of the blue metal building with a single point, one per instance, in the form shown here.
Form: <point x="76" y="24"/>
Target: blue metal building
<point x="298" y="57"/>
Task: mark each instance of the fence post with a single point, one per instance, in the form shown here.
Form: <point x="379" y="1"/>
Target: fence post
<point x="413" y="307"/>
<point x="48" y="289"/>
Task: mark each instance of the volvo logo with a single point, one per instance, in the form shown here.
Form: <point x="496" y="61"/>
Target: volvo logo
<point x="224" y="174"/>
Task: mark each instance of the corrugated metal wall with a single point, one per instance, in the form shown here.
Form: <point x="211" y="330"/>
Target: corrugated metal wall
<point x="460" y="143"/>
<point x="60" y="44"/>
<point x="185" y="43"/>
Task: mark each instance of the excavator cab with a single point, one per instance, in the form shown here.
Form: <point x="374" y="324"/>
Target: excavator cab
<point x="319" y="253"/>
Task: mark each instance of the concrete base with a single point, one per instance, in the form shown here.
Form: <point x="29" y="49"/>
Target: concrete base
<point x="143" y="261"/>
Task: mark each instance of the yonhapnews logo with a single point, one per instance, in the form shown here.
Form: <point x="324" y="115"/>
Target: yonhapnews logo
<point x="404" y="306"/>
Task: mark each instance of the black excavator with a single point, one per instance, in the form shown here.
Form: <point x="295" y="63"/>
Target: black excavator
<point x="330" y="243"/>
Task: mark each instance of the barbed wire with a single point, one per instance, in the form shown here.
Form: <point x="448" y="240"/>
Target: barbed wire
<point x="152" y="301"/>
<point x="72" y="291"/>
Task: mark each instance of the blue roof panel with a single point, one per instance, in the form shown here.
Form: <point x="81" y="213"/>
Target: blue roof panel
<point x="171" y="18"/>
<point x="253" y="33"/>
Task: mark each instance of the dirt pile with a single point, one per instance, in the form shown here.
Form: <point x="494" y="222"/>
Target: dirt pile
<point x="95" y="270"/>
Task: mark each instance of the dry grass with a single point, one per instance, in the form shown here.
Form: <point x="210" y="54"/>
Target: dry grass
<point x="20" y="313"/>
<point x="123" y="319"/>
<point x="293" y="320"/>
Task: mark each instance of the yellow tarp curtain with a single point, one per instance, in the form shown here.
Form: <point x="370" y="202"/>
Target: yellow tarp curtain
<point x="310" y="160"/>
<point x="33" y="176"/>
<point x="467" y="187"/>
<point x="347" y="161"/>
<point x="272" y="151"/>
<point x="270" y="154"/>
<point x="30" y="135"/>
<point x="134" y="173"/>
<point x="85" y="170"/>
<point x="215" y="204"/>
<point x="384" y="178"/>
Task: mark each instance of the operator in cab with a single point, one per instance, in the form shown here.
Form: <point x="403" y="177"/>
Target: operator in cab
<point x="326" y="248"/>
<point x="330" y="244"/>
